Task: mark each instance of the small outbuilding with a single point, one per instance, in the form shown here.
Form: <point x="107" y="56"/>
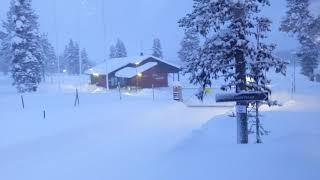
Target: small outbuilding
<point x="141" y="72"/>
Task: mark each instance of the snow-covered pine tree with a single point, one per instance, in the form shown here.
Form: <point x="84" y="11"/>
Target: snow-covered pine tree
<point x="120" y="49"/>
<point x="262" y="58"/>
<point x="86" y="63"/>
<point x="308" y="55"/>
<point x="157" y="48"/>
<point x="228" y="29"/>
<point x="112" y="53"/>
<point x="22" y="30"/>
<point x="300" y="22"/>
<point x="297" y="18"/>
<point x="190" y="49"/>
<point x="71" y="58"/>
<point x="5" y="55"/>
<point x="50" y="58"/>
<point x="63" y="59"/>
<point x="5" y="51"/>
<point x="74" y="63"/>
<point x="315" y="31"/>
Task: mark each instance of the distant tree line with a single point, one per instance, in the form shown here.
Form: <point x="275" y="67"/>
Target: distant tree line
<point x="119" y="49"/>
<point x="300" y="22"/>
<point x="27" y="54"/>
<point x="71" y="58"/>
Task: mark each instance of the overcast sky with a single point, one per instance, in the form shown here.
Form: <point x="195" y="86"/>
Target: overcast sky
<point x="136" y="22"/>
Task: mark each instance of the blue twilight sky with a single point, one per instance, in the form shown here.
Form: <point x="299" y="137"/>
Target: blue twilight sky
<point x="136" y="22"/>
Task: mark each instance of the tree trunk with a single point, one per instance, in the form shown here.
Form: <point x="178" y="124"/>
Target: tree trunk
<point x="242" y="118"/>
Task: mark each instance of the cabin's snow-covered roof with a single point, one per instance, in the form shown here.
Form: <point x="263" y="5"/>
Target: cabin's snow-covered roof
<point x="113" y="64"/>
<point x="130" y="72"/>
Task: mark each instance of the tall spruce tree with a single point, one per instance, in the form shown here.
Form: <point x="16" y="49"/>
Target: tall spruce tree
<point x="228" y="29"/>
<point x="63" y="59"/>
<point x="50" y="58"/>
<point x="298" y="17"/>
<point x="308" y="55"/>
<point x="112" y="53"/>
<point x="22" y="31"/>
<point x="5" y="55"/>
<point x="86" y="63"/>
<point x="74" y="63"/>
<point x="190" y="47"/>
<point x="157" y="48"/>
<point x="71" y="58"/>
<point x="120" y="49"/>
<point x="300" y="22"/>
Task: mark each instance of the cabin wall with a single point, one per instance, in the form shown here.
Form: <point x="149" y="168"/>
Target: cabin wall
<point x="156" y="76"/>
<point x="153" y="77"/>
<point x="98" y="80"/>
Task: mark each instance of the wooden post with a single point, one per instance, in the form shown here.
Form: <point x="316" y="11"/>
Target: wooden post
<point x="22" y="101"/>
<point x="153" y="92"/>
<point x="258" y="137"/>
<point x="77" y="100"/>
<point x="119" y="88"/>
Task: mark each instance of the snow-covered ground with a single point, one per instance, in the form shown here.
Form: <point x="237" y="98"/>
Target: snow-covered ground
<point x="291" y="151"/>
<point x="103" y="138"/>
<point x="138" y="138"/>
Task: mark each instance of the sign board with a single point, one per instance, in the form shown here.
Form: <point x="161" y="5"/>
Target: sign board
<point x="247" y="96"/>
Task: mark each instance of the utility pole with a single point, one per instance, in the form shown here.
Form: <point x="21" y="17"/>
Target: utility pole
<point x="294" y="75"/>
<point x="293" y="85"/>
<point x="104" y="43"/>
<point x="79" y="50"/>
<point x="57" y="42"/>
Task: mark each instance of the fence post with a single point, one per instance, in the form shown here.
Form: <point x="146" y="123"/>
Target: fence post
<point x="77" y="100"/>
<point x="152" y="92"/>
<point x="22" y="101"/>
<point x="258" y="138"/>
<point x="44" y="114"/>
<point x="119" y="89"/>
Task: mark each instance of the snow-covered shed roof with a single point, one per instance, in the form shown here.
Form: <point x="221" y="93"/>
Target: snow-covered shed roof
<point x="115" y="64"/>
<point x="130" y="72"/>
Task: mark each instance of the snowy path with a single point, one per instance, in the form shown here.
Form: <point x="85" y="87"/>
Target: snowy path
<point x="98" y="140"/>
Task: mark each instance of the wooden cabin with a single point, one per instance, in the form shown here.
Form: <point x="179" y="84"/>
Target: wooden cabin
<point x="141" y="72"/>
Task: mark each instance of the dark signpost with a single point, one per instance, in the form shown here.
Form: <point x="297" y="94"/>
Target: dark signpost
<point x="242" y="100"/>
<point x="248" y="96"/>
